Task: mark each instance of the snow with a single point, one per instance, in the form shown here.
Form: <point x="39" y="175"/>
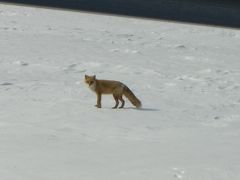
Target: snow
<point x="186" y="76"/>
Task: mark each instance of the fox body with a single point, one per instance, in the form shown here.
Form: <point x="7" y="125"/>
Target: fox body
<point x="116" y="88"/>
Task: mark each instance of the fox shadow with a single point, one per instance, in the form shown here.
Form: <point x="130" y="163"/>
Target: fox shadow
<point x="142" y="109"/>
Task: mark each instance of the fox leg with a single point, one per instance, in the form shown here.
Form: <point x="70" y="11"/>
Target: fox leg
<point x="99" y="97"/>
<point x="116" y="100"/>
<point x="122" y="101"/>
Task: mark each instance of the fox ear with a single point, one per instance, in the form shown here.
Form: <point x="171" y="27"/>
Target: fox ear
<point x="94" y="77"/>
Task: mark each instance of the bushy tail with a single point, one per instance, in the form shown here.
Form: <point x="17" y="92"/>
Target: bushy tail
<point x="134" y="100"/>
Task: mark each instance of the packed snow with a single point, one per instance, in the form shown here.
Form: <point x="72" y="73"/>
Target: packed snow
<point x="187" y="77"/>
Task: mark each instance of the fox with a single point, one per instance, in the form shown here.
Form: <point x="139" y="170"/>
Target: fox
<point x="116" y="88"/>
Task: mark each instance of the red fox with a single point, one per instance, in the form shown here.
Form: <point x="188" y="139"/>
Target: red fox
<point x="116" y="88"/>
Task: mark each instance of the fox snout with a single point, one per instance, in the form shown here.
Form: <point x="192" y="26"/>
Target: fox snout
<point x="89" y="82"/>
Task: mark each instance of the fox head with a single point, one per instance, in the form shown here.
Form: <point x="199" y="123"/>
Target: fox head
<point x="90" y="80"/>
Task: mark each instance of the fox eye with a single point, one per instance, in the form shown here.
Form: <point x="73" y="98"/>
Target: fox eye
<point x="90" y="82"/>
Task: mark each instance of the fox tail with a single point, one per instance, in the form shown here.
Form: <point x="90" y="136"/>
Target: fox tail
<point x="132" y="98"/>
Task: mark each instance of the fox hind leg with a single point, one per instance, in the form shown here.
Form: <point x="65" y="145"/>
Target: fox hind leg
<point x="116" y="100"/>
<point x="122" y="101"/>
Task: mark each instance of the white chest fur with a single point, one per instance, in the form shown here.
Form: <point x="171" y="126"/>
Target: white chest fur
<point x="93" y="86"/>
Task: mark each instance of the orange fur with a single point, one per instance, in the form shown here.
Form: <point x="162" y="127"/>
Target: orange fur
<point x="116" y="88"/>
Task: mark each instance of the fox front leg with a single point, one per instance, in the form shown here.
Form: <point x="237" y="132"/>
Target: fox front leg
<point x="99" y="97"/>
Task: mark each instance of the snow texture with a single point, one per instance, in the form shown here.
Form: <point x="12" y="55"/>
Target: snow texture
<point x="187" y="77"/>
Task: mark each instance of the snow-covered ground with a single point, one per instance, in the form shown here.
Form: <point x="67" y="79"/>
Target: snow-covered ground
<point x="187" y="77"/>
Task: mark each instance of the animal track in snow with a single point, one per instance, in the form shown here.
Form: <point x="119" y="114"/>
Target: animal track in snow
<point x="222" y="121"/>
<point x="178" y="174"/>
<point x="187" y="77"/>
<point x="21" y="63"/>
<point x="6" y="84"/>
<point x="9" y="28"/>
<point x="180" y="46"/>
<point x="125" y="35"/>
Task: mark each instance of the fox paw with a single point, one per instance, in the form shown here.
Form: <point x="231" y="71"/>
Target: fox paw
<point x="98" y="106"/>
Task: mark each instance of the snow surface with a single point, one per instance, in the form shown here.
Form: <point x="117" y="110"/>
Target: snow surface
<point x="186" y="76"/>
